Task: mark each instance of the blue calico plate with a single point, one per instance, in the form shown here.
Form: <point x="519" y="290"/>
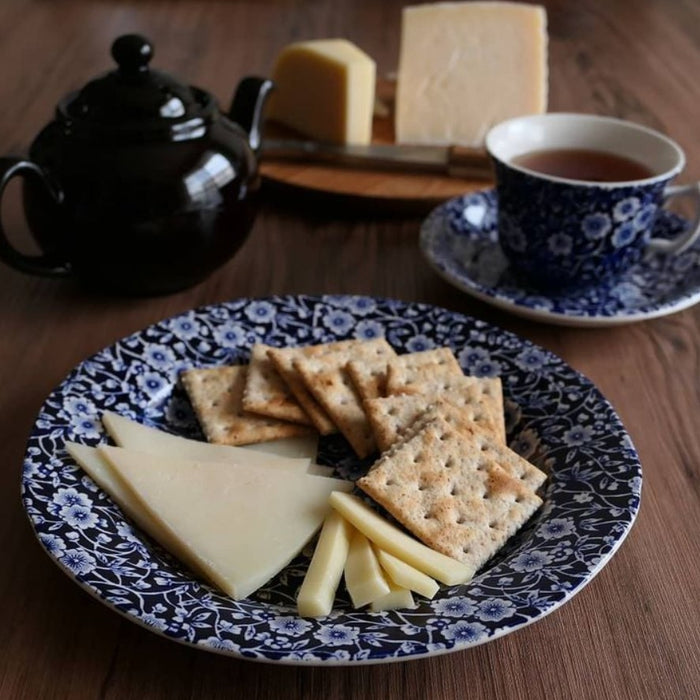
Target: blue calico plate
<point x="555" y="417"/>
<point x="460" y="241"/>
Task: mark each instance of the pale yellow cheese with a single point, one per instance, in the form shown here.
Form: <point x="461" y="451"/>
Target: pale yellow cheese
<point x="317" y="592"/>
<point x="142" y="438"/>
<point x="464" y="67"/>
<point x="325" y="90"/>
<point x="405" y="575"/>
<point x="101" y="472"/>
<point x="393" y="540"/>
<point x="296" y="447"/>
<point x="396" y="599"/>
<point x="241" y="526"/>
<point x="364" y="579"/>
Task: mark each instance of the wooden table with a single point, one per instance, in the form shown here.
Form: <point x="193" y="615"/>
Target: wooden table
<point x="632" y="633"/>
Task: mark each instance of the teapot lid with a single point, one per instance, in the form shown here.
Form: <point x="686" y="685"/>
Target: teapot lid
<point x="134" y="99"/>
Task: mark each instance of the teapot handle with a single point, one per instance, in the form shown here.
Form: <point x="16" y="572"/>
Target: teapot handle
<point x="247" y="107"/>
<point x="46" y="264"/>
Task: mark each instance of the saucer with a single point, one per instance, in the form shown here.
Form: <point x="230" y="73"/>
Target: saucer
<point x="460" y="241"/>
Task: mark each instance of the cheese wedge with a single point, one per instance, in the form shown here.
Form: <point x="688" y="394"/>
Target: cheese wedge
<point x="363" y="575"/>
<point x="302" y="446"/>
<point x="396" y="599"/>
<point x="241" y="526"/>
<point x="101" y="472"/>
<point x="395" y="541"/>
<point x="324" y="89"/>
<point x="405" y="575"/>
<point x="317" y="592"/>
<point x="466" y="66"/>
<point x="142" y="438"/>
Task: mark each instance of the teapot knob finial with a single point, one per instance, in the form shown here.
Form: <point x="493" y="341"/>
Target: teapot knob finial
<point x="132" y="52"/>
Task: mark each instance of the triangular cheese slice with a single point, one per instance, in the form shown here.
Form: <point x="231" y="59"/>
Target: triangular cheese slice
<point x="142" y="438"/>
<point x="241" y="526"/>
<point x="101" y="472"/>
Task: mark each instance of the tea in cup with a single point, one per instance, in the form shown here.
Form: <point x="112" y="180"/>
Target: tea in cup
<point x="578" y="196"/>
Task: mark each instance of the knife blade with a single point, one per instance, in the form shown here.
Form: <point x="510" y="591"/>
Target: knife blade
<point x="454" y="161"/>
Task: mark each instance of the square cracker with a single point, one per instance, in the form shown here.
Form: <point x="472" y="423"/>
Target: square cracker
<point x="216" y="395"/>
<point x="267" y="393"/>
<point x="323" y="370"/>
<point x="452" y="494"/>
<point x="370" y="381"/>
<point x="391" y="416"/>
<point x="283" y="360"/>
<point x="432" y="378"/>
<point x="404" y="371"/>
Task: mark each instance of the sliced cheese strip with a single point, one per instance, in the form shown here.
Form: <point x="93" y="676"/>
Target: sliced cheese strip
<point x="142" y="438"/>
<point x="396" y="599"/>
<point x="101" y="472"/>
<point x="395" y="541"/>
<point x="405" y="575"/>
<point x="241" y="526"/>
<point x="303" y="446"/>
<point x="363" y="575"/>
<point x="317" y="592"/>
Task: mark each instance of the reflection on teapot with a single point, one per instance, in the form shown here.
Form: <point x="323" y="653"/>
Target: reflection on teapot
<point x="139" y="185"/>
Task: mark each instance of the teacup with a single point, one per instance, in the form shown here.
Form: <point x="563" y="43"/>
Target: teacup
<point x="563" y="233"/>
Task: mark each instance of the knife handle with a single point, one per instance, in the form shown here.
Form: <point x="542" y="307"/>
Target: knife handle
<point x="469" y="163"/>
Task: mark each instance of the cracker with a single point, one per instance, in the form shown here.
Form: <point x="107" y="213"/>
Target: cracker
<point x="217" y="398"/>
<point x="324" y="374"/>
<point x="267" y="393"/>
<point x="404" y="371"/>
<point x="370" y="382"/>
<point x="452" y="491"/>
<point x="283" y="361"/>
<point x="391" y="416"/>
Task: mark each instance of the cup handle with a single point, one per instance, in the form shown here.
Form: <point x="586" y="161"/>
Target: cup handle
<point x="46" y="264"/>
<point x="685" y="240"/>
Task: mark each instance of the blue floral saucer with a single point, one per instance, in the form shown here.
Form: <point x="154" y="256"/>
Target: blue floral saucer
<point x="460" y="241"/>
<point x="555" y="418"/>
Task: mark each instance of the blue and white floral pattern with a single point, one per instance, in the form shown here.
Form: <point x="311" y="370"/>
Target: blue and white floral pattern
<point x="555" y="416"/>
<point x="469" y="256"/>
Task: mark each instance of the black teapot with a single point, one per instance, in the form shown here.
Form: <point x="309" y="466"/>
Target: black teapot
<point x="140" y="185"/>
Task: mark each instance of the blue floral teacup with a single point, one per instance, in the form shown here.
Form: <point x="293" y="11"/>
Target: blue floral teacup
<point x="564" y="233"/>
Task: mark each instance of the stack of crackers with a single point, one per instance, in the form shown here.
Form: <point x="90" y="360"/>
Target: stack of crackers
<point x="444" y="472"/>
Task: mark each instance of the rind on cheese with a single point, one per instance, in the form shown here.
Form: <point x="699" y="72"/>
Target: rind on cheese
<point x="465" y="67"/>
<point x="240" y="525"/>
<point x="325" y="89"/>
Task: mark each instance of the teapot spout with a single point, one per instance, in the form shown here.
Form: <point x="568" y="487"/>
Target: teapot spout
<point x="247" y="107"/>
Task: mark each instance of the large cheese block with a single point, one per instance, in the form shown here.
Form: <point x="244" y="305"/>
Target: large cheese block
<point x="240" y="526"/>
<point x="464" y="67"/>
<point x="325" y="90"/>
<point x="142" y="438"/>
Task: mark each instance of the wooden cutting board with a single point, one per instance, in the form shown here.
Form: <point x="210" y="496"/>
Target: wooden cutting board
<point x="416" y="192"/>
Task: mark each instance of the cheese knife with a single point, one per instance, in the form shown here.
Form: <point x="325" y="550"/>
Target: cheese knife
<point x="455" y="161"/>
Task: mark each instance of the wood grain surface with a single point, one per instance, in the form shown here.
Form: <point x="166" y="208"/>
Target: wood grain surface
<point x="631" y="633"/>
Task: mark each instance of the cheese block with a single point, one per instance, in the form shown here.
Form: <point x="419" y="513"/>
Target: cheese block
<point x="240" y="526"/>
<point x="324" y="89"/>
<point x="101" y="472"/>
<point x="395" y="541"/>
<point x="405" y="575"/>
<point x="317" y="592"/>
<point x="396" y="599"/>
<point x="364" y="579"/>
<point x="464" y="67"/>
<point x="142" y="438"/>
